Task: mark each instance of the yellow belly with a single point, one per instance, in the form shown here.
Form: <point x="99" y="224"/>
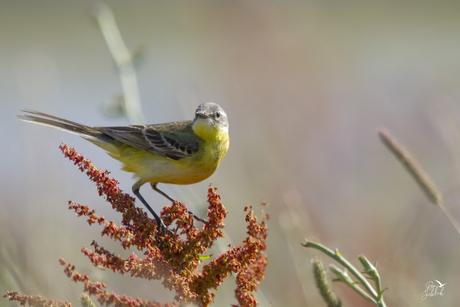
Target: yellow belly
<point x="149" y="167"/>
<point x="152" y="168"/>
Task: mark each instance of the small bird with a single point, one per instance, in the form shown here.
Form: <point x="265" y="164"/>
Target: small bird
<point x="182" y="152"/>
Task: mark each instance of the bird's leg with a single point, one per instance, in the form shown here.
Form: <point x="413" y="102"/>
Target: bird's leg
<point x="161" y="225"/>
<point x="154" y="187"/>
<point x="198" y="218"/>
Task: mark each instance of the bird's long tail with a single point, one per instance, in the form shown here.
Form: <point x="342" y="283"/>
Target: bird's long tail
<point x="83" y="131"/>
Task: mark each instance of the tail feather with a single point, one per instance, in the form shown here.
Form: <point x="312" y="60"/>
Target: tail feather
<point x="63" y="124"/>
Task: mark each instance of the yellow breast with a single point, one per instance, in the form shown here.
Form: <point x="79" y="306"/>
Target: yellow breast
<point x="148" y="167"/>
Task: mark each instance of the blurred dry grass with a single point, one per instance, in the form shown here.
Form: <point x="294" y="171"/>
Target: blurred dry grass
<point x="305" y="85"/>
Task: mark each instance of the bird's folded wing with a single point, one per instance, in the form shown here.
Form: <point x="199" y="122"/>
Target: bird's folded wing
<point x="173" y="140"/>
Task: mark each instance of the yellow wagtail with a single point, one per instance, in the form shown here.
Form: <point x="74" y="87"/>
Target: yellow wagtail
<point x="183" y="152"/>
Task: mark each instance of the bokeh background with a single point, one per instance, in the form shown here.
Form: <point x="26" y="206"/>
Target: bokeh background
<point x="306" y="85"/>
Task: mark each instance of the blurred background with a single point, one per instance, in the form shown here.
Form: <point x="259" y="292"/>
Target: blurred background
<point x="305" y="84"/>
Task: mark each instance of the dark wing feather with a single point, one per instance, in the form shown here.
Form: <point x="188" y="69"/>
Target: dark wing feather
<point x="172" y="140"/>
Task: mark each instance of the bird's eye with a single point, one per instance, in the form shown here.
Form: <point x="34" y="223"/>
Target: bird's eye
<point x="218" y="114"/>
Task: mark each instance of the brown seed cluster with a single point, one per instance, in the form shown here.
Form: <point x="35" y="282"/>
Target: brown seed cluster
<point x="175" y="258"/>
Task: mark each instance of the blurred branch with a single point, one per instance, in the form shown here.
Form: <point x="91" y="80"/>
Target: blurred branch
<point x="123" y="60"/>
<point x="411" y="165"/>
<point x="419" y="175"/>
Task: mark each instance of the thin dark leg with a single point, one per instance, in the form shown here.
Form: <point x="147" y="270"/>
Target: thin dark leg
<point x="161" y="225"/>
<point x="197" y="217"/>
<point x="154" y="187"/>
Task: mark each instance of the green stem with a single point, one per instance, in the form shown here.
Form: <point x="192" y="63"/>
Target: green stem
<point x="354" y="286"/>
<point x="337" y="257"/>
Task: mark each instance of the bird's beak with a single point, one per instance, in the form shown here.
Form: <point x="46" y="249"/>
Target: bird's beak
<point x="202" y="114"/>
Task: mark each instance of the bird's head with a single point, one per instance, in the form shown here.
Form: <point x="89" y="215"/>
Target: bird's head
<point x="210" y="121"/>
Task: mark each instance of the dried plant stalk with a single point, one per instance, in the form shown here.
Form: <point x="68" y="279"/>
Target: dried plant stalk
<point x="422" y="179"/>
<point x="411" y="165"/>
